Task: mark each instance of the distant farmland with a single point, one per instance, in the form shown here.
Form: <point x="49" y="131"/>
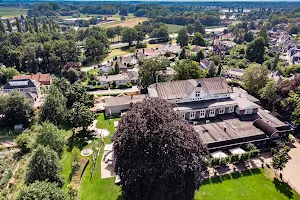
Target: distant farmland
<point x="131" y="22"/>
<point x="12" y="11"/>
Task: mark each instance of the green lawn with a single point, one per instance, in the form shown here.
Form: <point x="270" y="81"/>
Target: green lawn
<point x="95" y="187"/>
<point x="257" y="184"/>
<point x="173" y="28"/>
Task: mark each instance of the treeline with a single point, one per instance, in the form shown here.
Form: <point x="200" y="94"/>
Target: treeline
<point x="42" y="47"/>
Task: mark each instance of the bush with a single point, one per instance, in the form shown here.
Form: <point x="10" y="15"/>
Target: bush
<point x="141" y="45"/>
<point x="124" y="85"/>
<point x="132" y="49"/>
<point x="97" y="87"/>
<point x="6" y="177"/>
<point x="75" y="160"/>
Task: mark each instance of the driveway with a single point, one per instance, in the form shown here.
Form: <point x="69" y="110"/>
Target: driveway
<point x="114" y="91"/>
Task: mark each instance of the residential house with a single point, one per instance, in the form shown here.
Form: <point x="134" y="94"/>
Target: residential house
<point x="223" y="118"/>
<point x="30" y="88"/>
<point x="42" y="79"/>
<point x="234" y="73"/>
<point x="118" y="105"/>
<point x="221" y="48"/>
<point x="109" y="79"/>
<point x="196" y="48"/>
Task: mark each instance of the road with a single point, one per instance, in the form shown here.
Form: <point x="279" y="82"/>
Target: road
<point x="114" y="91"/>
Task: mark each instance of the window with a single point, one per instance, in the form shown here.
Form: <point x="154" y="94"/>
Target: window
<point x="248" y="111"/>
<point x="183" y="115"/>
<point x="221" y="110"/>
<point x="197" y="93"/>
<point x="202" y="113"/>
<point x="192" y="115"/>
<point x="231" y="109"/>
<point x="212" y="113"/>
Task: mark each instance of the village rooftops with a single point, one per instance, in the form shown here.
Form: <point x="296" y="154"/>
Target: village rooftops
<point x="43" y="79"/>
<point x="111" y="78"/>
<point x="180" y="89"/>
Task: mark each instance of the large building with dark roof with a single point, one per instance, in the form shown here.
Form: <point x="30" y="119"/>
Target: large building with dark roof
<point x="224" y="117"/>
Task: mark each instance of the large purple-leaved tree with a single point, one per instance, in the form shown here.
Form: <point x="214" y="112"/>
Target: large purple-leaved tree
<point x="158" y="154"/>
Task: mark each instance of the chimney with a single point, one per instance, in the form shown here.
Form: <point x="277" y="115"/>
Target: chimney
<point x="136" y="55"/>
<point x="121" y="59"/>
<point x="143" y="51"/>
<point x="131" y="97"/>
<point x="106" y="76"/>
<point x="225" y="128"/>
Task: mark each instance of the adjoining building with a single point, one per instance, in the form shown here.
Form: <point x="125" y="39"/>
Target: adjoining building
<point x="30" y="88"/>
<point x="118" y="105"/>
<point x="224" y="119"/>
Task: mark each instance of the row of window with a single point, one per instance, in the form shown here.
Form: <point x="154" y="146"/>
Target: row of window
<point x="198" y="97"/>
<point x="212" y="112"/>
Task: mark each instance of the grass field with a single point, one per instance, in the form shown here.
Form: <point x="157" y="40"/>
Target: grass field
<point x="12" y="11"/>
<point x="173" y="28"/>
<point x="130" y="22"/>
<point x="116" y="52"/>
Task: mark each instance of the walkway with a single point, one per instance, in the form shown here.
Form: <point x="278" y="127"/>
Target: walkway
<point x="114" y="91"/>
<point x="291" y="172"/>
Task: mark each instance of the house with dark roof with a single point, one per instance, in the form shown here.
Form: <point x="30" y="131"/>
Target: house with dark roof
<point x="30" y="88"/>
<point x="223" y="117"/>
<point x="42" y="79"/>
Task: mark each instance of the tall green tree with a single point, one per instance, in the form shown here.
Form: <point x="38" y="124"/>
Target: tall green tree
<point x="43" y="165"/>
<point x="80" y="116"/>
<point x="47" y="134"/>
<point x="212" y="70"/>
<point x="268" y="92"/>
<point x="152" y="69"/>
<point x="2" y="27"/>
<point x="264" y="34"/>
<point x="198" y="27"/>
<point x="42" y="190"/>
<point x="8" y="25"/>
<point x="45" y="26"/>
<point x="190" y="29"/>
<point x="35" y="25"/>
<point x="15" y="109"/>
<point x="139" y="171"/>
<point x="129" y="35"/>
<point x="182" y="38"/>
<point x="117" y="68"/>
<point x="18" y="24"/>
<point x="255" y="78"/>
<point x="71" y="75"/>
<point x="54" y="107"/>
<point x="255" y="50"/>
<point x="199" y="56"/>
<point x="26" y="25"/>
<point x="198" y="39"/>
<point x="188" y="69"/>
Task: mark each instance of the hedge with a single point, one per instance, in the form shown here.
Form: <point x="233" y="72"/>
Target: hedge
<point x="233" y="158"/>
<point x="97" y="87"/>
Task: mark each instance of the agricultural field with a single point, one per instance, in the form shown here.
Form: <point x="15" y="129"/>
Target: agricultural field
<point x="12" y="11"/>
<point x="129" y="22"/>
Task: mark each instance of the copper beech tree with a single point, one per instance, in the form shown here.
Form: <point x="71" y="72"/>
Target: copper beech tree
<point x="158" y="154"/>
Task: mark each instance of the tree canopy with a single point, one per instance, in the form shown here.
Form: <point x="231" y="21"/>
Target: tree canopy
<point x="151" y="68"/>
<point x="188" y="69"/>
<point x="80" y="115"/>
<point x="49" y="135"/>
<point x="43" y="165"/>
<point x="42" y="190"/>
<point x="151" y="159"/>
<point x="198" y="39"/>
<point x="255" y="50"/>
<point x="182" y="38"/>
<point x="255" y="78"/>
<point x="16" y="109"/>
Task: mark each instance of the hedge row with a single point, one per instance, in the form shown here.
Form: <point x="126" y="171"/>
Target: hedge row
<point x="233" y="158"/>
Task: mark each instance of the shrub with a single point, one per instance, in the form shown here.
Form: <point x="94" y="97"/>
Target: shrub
<point x="6" y="177"/>
<point x="141" y="45"/>
<point x="97" y="87"/>
<point x="75" y="160"/>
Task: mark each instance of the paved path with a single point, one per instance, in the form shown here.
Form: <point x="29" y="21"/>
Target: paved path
<point x="115" y="91"/>
<point x="291" y="172"/>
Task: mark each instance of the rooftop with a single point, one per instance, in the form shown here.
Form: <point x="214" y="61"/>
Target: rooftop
<point x="41" y="78"/>
<point x="180" y="89"/>
<point x="123" y="100"/>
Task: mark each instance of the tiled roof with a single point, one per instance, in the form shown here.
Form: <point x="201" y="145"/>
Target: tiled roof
<point x="41" y="78"/>
<point x="180" y="89"/>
